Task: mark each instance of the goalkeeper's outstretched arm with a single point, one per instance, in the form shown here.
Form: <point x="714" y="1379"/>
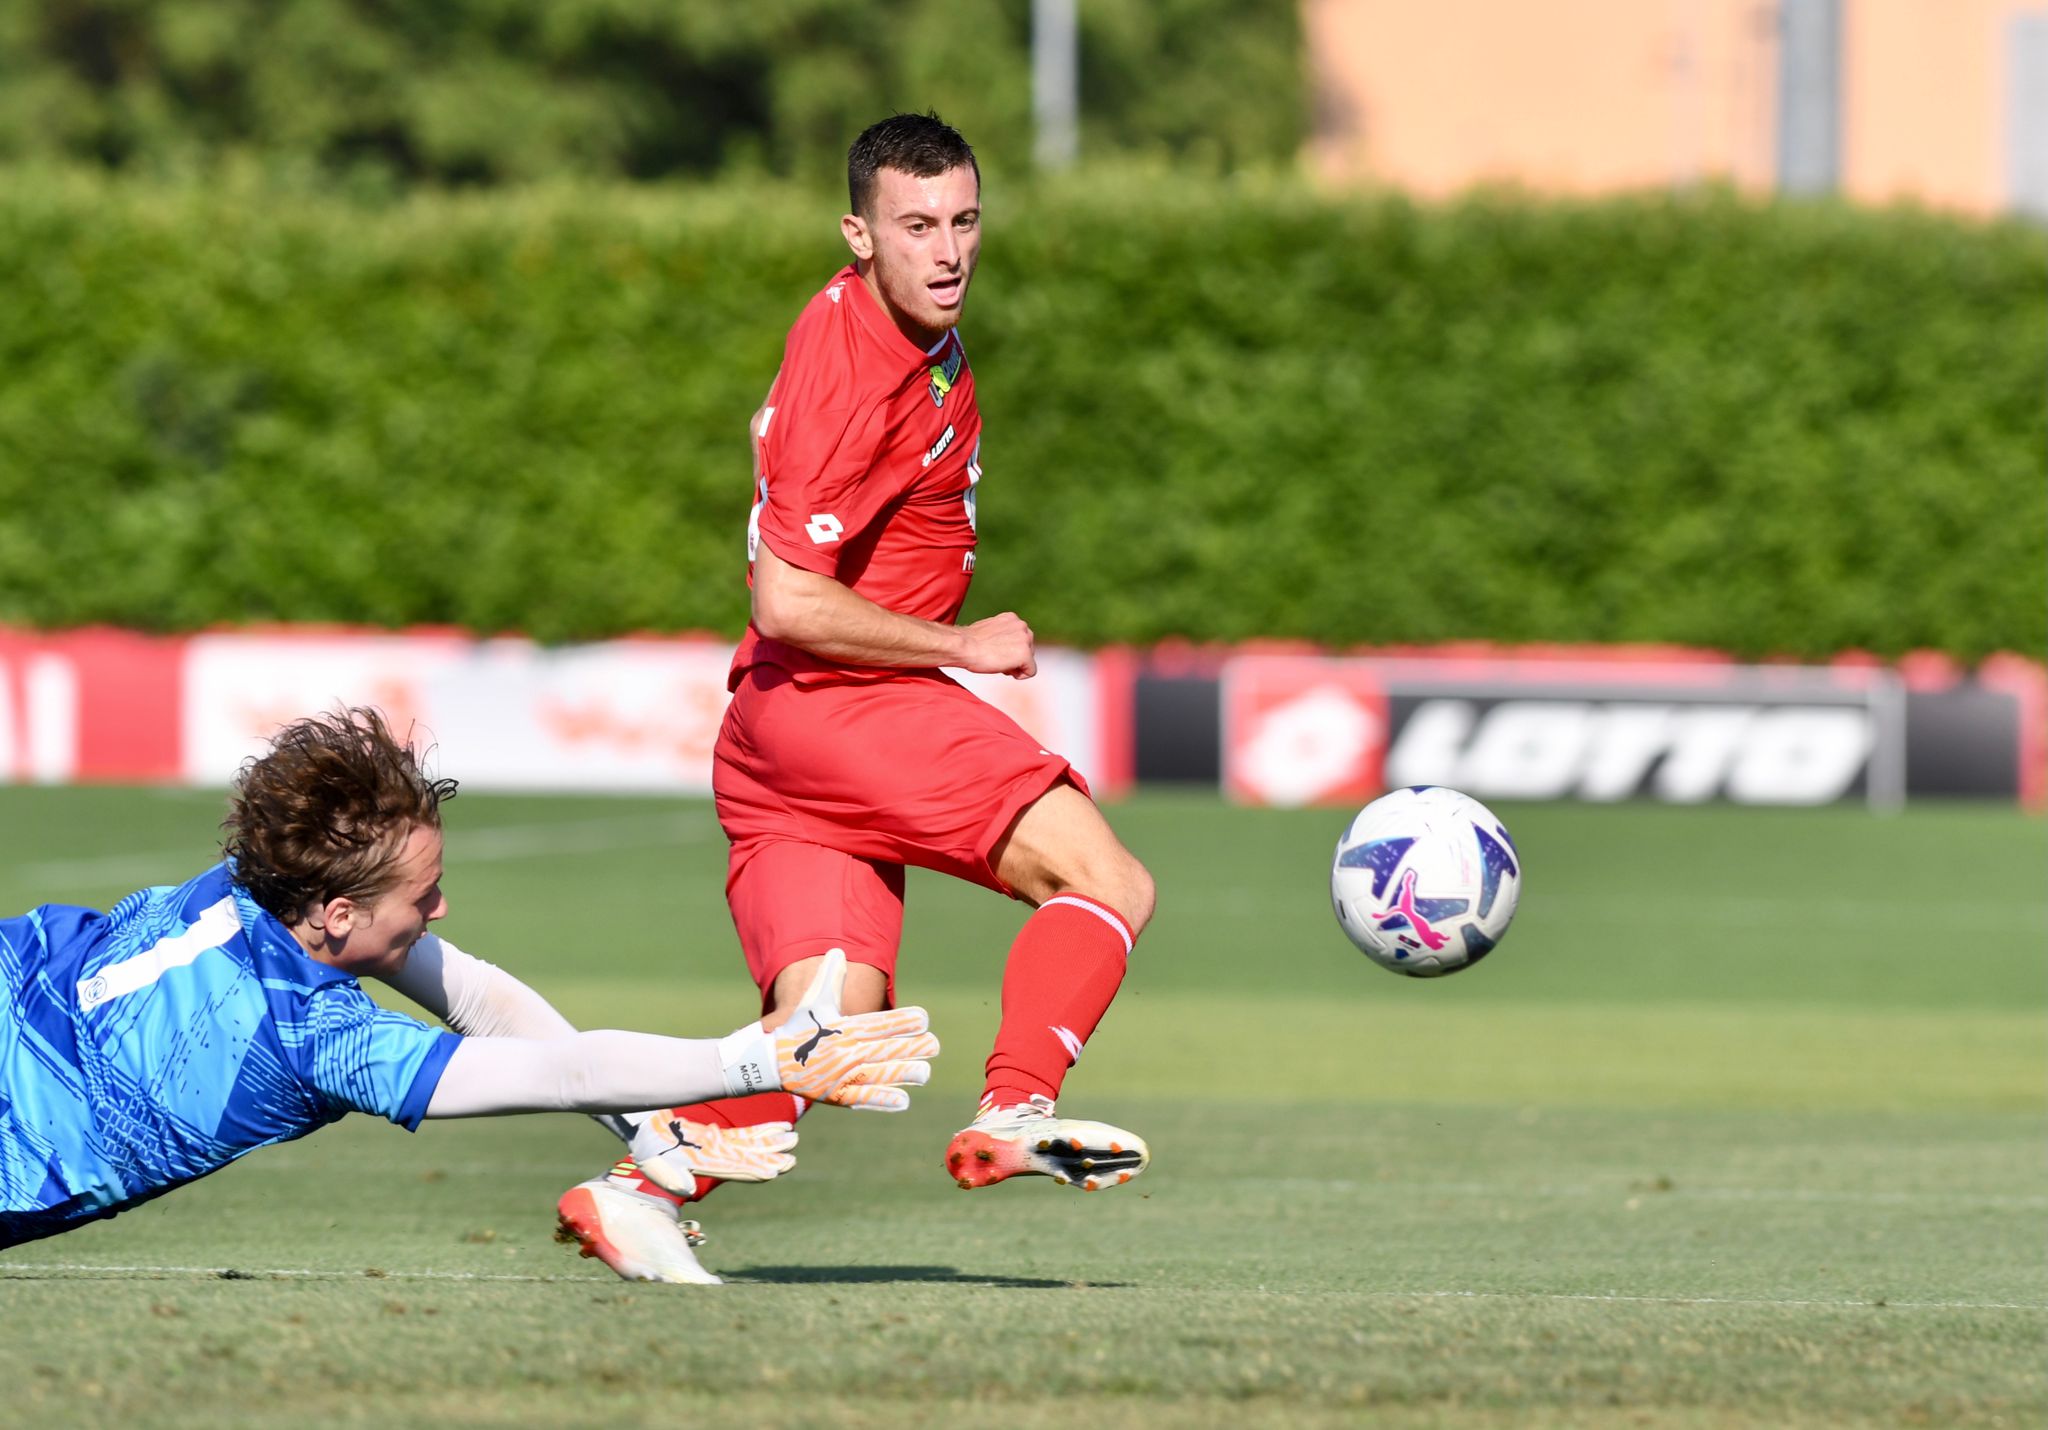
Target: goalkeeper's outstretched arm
<point x="481" y="1000"/>
<point x="854" y="1060"/>
<point x="596" y="1072"/>
<point x="475" y="998"/>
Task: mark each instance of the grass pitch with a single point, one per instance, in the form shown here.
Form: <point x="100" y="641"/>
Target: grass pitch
<point x="1742" y="1126"/>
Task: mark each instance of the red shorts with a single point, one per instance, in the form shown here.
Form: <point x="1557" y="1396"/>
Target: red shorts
<point x="827" y="790"/>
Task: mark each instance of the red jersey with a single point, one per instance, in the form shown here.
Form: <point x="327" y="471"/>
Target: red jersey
<point x="869" y="459"/>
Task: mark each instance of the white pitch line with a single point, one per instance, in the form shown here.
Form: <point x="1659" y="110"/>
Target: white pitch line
<point x="33" y="1270"/>
<point x="1997" y="1201"/>
<point x="11" y="1271"/>
<point x="482" y="846"/>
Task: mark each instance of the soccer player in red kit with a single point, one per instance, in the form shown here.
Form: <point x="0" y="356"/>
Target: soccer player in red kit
<point x="846" y="753"/>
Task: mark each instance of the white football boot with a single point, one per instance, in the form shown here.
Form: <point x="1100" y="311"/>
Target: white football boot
<point x="1030" y="1139"/>
<point x="634" y="1227"/>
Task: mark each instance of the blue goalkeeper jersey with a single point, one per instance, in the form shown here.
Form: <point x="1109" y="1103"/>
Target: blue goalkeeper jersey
<point x="142" y="1048"/>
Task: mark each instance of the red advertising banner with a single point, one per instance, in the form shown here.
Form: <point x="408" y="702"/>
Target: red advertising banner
<point x="1303" y="730"/>
<point x="639" y="714"/>
<point x="1279" y="726"/>
<point x="90" y="705"/>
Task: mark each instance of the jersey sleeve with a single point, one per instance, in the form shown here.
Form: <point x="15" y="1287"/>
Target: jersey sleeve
<point x="821" y="489"/>
<point x="362" y="1058"/>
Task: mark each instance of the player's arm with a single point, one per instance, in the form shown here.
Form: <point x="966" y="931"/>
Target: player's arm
<point x="475" y="998"/>
<point x="826" y="464"/>
<point x="819" y="614"/>
<point x="510" y="1054"/>
<point x="854" y="1060"/>
<point x="614" y="1071"/>
<point x="481" y="1000"/>
<point x="758" y="427"/>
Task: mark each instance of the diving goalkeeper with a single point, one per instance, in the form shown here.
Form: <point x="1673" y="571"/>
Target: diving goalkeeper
<point x="143" y="1048"/>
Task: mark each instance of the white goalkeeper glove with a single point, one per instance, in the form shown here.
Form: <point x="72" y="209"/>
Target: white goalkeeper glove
<point x="860" y="1060"/>
<point x="674" y="1153"/>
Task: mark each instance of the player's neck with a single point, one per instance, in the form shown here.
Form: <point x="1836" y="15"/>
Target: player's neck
<point x="928" y="340"/>
<point x="315" y="943"/>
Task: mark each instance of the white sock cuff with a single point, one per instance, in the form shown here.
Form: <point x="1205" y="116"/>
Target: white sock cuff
<point x="1101" y="911"/>
<point x="748" y="1057"/>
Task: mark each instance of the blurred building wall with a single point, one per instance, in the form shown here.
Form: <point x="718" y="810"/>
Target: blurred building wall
<point x="1586" y="96"/>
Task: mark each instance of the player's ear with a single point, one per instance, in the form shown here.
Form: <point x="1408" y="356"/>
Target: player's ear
<point x="854" y="229"/>
<point x="336" y="917"/>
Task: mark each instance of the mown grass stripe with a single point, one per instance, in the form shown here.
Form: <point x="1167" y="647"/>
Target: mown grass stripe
<point x="55" y="1270"/>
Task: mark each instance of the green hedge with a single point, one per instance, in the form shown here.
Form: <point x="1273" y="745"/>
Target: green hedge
<point x="1212" y="411"/>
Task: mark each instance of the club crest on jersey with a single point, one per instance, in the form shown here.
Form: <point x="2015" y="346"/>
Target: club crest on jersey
<point x="944" y="375"/>
<point x="938" y="448"/>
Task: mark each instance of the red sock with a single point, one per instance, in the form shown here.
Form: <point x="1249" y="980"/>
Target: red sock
<point x="1063" y="971"/>
<point x="749" y="1111"/>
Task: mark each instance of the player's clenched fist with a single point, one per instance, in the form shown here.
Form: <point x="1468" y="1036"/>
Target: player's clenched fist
<point x="861" y="1060"/>
<point x="1000" y="645"/>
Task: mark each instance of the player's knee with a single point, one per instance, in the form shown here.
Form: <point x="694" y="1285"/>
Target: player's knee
<point x="1120" y="881"/>
<point x="1139" y="893"/>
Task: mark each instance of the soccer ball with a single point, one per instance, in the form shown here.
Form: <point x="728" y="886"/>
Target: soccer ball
<point x="1425" y="881"/>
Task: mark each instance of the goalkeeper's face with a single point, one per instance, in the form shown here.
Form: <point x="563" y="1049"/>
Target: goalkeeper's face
<point x="373" y="939"/>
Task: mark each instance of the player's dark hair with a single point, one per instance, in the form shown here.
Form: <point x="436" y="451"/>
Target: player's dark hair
<point x="921" y="145"/>
<point x="325" y="813"/>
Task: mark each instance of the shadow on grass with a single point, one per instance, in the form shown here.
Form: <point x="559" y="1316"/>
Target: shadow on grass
<point x="938" y="1275"/>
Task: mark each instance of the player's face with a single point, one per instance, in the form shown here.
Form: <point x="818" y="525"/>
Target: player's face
<point x="381" y="934"/>
<point x="918" y="248"/>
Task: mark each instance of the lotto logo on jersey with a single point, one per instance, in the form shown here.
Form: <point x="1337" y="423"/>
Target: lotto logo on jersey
<point x="938" y="448"/>
<point x="824" y="528"/>
<point x="944" y="375"/>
